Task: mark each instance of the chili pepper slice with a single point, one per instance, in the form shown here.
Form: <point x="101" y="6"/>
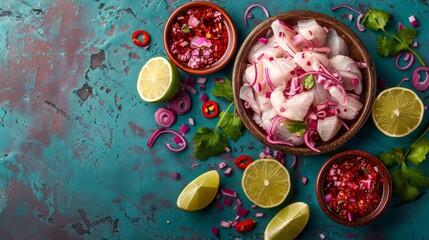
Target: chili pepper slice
<point x="146" y="38"/>
<point x="245" y="226"/>
<point x="243" y="161"/>
<point x="210" y="109"/>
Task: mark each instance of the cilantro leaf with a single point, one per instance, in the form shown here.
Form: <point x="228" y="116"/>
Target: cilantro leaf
<point x="376" y="19"/>
<point x="223" y="89"/>
<point x="208" y="143"/>
<point x="308" y="82"/>
<point x="418" y="151"/>
<point x="402" y="188"/>
<point x="395" y="156"/>
<point x="296" y="127"/>
<point x="416" y="177"/>
<point x="407" y="35"/>
<point x="388" y="47"/>
<point x="410" y="193"/>
<point x="231" y="125"/>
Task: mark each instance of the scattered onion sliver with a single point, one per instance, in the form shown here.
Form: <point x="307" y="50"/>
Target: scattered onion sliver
<point x="267" y="14"/>
<point x="160" y="131"/>
<point x="359" y="25"/>
<point x="270" y="139"/>
<point x="307" y="142"/>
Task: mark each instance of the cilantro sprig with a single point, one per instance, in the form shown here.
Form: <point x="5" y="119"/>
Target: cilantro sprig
<point x="210" y="142"/>
<point x="408" y="181"/>
<point x="390" y="45"/>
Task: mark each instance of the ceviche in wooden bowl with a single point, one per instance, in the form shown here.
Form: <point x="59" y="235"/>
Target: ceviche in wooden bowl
<point x="304" y="83"/>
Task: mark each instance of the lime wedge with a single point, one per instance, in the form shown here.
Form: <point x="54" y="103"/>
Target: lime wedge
<point x="397" y="111"/>
<point x="200" y="192"/>
<point x="288" y="223"/>
<point x="266" y="182"/>
<point x="158" y="81"/>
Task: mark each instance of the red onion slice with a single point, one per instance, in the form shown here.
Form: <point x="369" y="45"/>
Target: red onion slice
<point x="270" y="139"/>
<point x="250" y="8"/>
<point x="165" y="117"/>
<point x="181" y="103"/>
<point x="160" y="131"/>
<point x="409" y="57"/>
<point x="417" y="84"/>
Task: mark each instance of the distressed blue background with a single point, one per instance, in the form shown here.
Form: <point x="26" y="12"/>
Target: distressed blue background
<point x="73" y="157"/>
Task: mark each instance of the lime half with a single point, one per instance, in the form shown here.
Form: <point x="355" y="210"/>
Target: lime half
<point x="288" y="223"/>
<point x="397" y="111"/>
<point x="158" y="81"/>
<point x="200" y="192"/>
<point x="266" y="182"/>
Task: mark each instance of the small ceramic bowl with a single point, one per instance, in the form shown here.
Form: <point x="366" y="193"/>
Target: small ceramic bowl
<point x="357" y="51"/>
<point x="226" y="21"/>
<point x="327" y="172"/>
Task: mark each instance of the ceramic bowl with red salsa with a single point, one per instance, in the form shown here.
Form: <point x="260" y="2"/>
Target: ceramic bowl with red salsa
<point x="353" y="188"/>
<point x="200" y="37"/>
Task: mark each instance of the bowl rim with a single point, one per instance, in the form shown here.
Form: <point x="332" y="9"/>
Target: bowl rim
<point x="361" y="49"/>
<point x="232" y="38"/>
<point x="385" y="197"/>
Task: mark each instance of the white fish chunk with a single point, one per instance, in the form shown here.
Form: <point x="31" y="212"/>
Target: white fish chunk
<point x="350" y="72"/>
<point x="328" y="127"/>
<point x="294" y="108"/>
<point x="279" y="70"/>
<point x="268" y="50"/>
<point x="310" y="61"/>
<point x="312" y="31"/>
<point x="352" y="107"/>
<point x="283" y="35"/>
<point x="337" y="44"/>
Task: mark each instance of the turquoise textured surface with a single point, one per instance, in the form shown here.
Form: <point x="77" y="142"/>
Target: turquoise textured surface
<point x="73" y="157"/>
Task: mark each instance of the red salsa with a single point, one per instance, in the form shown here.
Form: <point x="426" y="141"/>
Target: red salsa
<point x="353" y="188"/>
<point x="198" y="38"/>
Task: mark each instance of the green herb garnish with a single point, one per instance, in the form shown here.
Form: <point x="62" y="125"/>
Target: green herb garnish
<point x="308" y="82"/>
<point x="212" y="142"/>
<point x="390" y="45"/>
<point x="296" y="127"/>
<point x="408" y="181"/>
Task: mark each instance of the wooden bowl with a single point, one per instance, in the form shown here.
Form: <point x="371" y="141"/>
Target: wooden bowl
<point x="385" y="197"/>
<point x="357" y="51"/>
<point x="232" y="38"/>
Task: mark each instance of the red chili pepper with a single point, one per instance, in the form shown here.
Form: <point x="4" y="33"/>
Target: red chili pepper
<point x="210" y="109"/>
<point x="245" y="226"/>
<point x="243" y="161"/>
<point x="137" y="42"/>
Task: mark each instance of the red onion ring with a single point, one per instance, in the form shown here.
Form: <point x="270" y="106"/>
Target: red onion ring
<point x="272" y="141"/>
<point x="267" y="14"/>
<point x="181" y="103"/>
<point x="345" y="6"/>
<point x="408" y="57"/>
<point x="165" y="117"/>
<point x="359" y="26"/>
<point x="307" y="142"/>
<point x="267" y="76"/>
<point x="293" y="163"/>
<point x="417" y="84"/>
<point x="273" y="125"/>
<point x="256" y="74"/>
<point x="160" y="131"/>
